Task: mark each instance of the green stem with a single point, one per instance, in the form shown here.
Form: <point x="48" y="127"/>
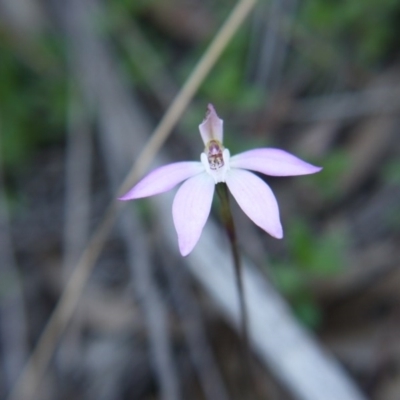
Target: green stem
<point x="227" y="219"/>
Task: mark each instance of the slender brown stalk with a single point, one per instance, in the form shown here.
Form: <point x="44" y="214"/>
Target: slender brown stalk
<point x="227" y="220"/>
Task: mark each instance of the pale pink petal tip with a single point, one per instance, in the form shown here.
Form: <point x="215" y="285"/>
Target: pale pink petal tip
<point x="190" y="210"/>
<point x="211" y="127"/>
<point x="274" y="162"/>
<point x="256" y="199"/>
<point x="163" y="179"/>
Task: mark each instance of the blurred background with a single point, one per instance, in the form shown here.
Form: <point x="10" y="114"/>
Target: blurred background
<point x="82" y="85"/>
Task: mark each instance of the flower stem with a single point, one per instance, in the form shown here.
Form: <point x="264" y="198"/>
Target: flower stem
<point x="227" y="219"/>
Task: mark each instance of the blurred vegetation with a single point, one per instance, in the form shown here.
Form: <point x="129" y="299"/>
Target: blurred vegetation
<point x="311" y="256"/>
<point x="364" y="31"/>
<point x="336" y="164"/>
<point x="32" y="103"/>
<point x="391" y="172"/>
<point x="361" y="32"/>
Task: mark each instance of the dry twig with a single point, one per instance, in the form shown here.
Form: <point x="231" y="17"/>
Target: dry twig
<point x="154" y="310"/>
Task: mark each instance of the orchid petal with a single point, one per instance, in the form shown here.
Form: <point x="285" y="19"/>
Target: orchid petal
<point x="211" y="127"/>
<point x="274" y="162"/>
<point x="164" y="178"/>
<point x="190" y="210"/>
<point x="256" y="199"/>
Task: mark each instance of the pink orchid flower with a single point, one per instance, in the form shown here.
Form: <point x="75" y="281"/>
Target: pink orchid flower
<point x="192" y="203"/>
